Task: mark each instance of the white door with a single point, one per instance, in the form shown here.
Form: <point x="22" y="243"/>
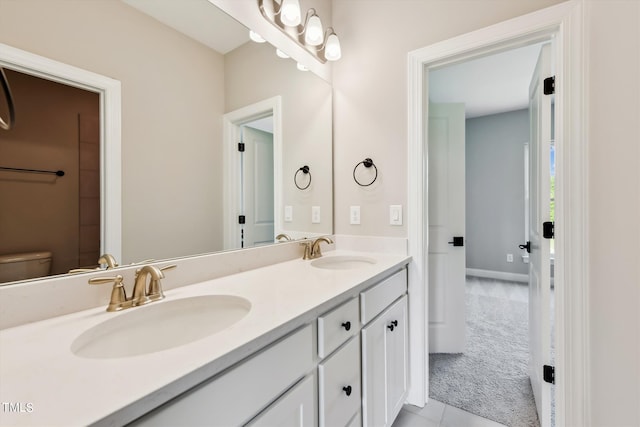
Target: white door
<point x="257" y="187"/>
<point x="446" y="221"/>
<point x="539" y="268"/>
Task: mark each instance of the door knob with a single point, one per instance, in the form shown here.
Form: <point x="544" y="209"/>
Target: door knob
<point x="526" y="246"/>
<point x="346" y="325"/>
<point x="457" y="241"/>
<point x="347" y="390"/>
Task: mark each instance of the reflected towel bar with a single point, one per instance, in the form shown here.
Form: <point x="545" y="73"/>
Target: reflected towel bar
<point x="56" y="173"/>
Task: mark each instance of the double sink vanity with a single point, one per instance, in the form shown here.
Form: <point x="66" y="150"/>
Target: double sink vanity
<point x="296" y="342"/>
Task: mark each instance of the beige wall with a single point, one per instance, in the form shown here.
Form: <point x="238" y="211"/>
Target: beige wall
<point x="172" y="98"/>
<point x="41" y="212"/>
<point x="254" y="73"/>
<point x="370" y="119"/>
<point x="613" y="111"/>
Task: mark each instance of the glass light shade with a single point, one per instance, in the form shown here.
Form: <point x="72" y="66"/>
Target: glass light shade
<point x="302" y="67"/>
<point x="332" y="50"/>
<point x="281" y="54"/>
<point x="313" y="32"/>
<point x="290" y="13"/>
<point x="256" y="37"/>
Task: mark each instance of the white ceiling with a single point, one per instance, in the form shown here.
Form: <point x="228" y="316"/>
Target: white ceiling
<point x="198" y="19"/>
<point x="489" y="85"/>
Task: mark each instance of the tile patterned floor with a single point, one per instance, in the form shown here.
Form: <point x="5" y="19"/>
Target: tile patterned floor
<point x="438" y="414"/>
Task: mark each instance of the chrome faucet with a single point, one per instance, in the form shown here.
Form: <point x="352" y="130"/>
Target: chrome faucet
<point x="142" y="294"/>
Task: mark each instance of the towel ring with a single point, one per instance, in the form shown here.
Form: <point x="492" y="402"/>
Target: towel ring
<point x="367" y="164"/>
<point x="305" y="170"/>
<point x="7" y="93"/>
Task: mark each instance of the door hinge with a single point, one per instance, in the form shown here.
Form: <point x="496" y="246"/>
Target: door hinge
<point x="241" y="219"/>
<point x="550" y="85"/>
<point x="241" y="146"/>
<point x="549" y="374"/>
<point x="548" y="230"/>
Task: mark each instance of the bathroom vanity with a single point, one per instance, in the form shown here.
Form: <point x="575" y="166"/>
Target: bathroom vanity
<point x="321" y="342"/>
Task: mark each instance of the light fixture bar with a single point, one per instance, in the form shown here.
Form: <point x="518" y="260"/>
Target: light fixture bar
<point x="323" y="48"/>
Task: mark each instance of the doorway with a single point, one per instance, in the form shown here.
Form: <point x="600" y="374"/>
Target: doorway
<point x="563" y="24"/>
<point x="263" y="221"/>
<point x="478" y="120"/>
<point x="50" y="173"/>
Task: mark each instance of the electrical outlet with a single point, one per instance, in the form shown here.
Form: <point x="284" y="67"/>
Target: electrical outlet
<point x="315" y="214"/>
<point x="509" y="257"/>
<point x="354" y="216"/>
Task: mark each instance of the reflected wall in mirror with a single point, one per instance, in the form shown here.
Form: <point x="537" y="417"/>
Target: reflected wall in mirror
<point x="175" y="93"/>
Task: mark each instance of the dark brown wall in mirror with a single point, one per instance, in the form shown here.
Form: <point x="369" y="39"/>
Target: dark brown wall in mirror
<point x="56" y="128"/>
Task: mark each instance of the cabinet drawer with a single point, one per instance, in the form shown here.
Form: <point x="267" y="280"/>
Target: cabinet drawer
<point x="295" y="409"/>
<point x="378" y="297"/>
<point x="233" y="397"/>
<point x="337" y="326"/>
<point x="339" y="386"/>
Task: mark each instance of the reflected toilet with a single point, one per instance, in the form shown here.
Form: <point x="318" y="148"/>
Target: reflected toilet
<point x="25" y="265"/>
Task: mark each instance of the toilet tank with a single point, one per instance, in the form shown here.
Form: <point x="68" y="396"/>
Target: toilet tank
<point x="26" y="265"/>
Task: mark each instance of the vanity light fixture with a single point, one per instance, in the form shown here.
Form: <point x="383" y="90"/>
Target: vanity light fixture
<point x="332" y="49"/>
<point x="290" y="13"/>
<point x="285" y="15"/>
<point x="313" y="32"/>
<point x="281" y="54"/>
<point x="256" y="37"/>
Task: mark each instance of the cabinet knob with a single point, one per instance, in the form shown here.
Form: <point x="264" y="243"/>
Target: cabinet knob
<point x="346" y="325"/>
<point x="392" y="325"/>
<point x="347" y="390"/>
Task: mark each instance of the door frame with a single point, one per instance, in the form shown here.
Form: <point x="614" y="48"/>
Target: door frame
<point x="109" y="91"/>
<point x="563" y="25"/>
<point x="232" y="202"/>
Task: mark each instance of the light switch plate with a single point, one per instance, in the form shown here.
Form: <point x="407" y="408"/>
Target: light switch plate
<point x="395" y="214"/>
<point x="354" y="216"/>
<point x="288" y="213"/>
<point x="315" y="214"/>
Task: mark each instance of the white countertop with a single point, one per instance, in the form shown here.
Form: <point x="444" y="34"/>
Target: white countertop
<point x="54" y="387"/>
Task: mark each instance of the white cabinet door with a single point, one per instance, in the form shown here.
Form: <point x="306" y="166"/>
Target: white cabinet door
<point x="397" y="357"/>
<point x="384" y="365"/>
<point x="295" y="409"/>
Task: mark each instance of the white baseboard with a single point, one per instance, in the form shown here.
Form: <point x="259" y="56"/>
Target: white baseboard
<point x="500" y="275"/>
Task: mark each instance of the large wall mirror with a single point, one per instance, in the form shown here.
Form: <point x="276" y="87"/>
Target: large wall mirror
<point x="193" y="86"/>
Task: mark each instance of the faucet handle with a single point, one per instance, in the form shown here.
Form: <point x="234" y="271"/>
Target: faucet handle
<point x="307" y="249"/>
<point x="118" y="295"/>
<point x="155" y="287"/>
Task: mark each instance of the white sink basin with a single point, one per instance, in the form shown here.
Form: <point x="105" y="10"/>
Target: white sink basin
<point x="160" y="326"/>
<point x="343" y="262"/>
